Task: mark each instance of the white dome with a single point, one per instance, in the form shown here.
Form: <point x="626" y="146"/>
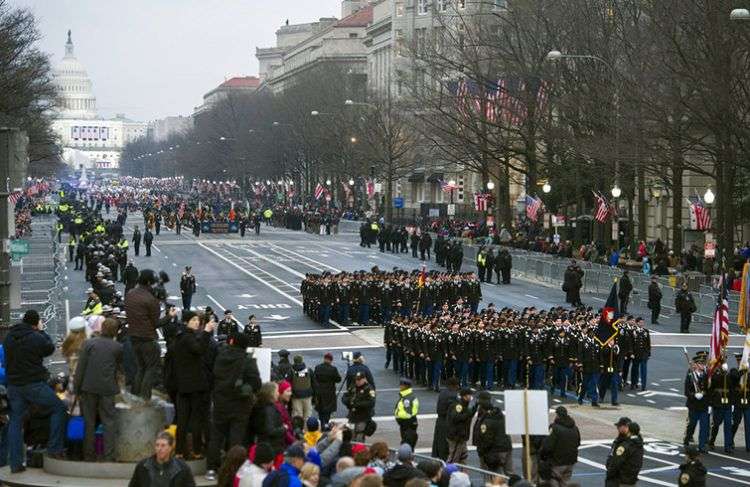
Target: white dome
<point x="76" y="97"/>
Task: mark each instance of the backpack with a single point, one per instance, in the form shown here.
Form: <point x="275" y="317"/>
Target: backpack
<point x="276" y="478"/>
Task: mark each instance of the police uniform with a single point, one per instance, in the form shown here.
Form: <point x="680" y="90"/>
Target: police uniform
<point x="360" y="400"/>
<point x="692" y="472"/>
<point x="406" y="412"/>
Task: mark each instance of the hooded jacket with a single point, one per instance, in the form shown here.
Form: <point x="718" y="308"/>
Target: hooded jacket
<point x="232" y="365"/>
<point x="561" y="446"/>
<point x="25" y="348"/>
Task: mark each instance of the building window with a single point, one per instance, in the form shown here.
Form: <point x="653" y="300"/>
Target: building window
<point x="461" y="4"/>
<point x="399" y="42"/>
<point x="353" y="35"/>
<point x="443" y="5"/>
<point x="399" y="9"/>
<point x="422" y="7"/>
<point x="420" y="37"/>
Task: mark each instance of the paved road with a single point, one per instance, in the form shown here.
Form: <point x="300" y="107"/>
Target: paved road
<point x="261" y="274"/>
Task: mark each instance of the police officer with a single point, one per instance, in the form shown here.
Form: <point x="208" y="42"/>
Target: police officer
<point x="148" y="239"/>
<point x="360" y="400"/>
<point x="696" y="389"/>
<point x="458" y="425"/>
<point x="654" y="300"/>
<point x="685" y="305"/>
<point x="720" y="397"/>
<point x="136" y="241"/>
<point x="692" y="472"/>
<point x="493" y="443"/>
<point x="358" y="366"/>
<point x="187" y="287"/>
<point x="283" y="370"/>
<point x="406" y="412"/>
<point x="626" y="455"/>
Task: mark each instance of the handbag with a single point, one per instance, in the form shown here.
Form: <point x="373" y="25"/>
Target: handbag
<point x="75" y="427"/>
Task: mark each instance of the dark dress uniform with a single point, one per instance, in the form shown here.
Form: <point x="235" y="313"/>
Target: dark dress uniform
<point x="692" y="474"/>
<point x="720" y="397"/>
<point x="439" y="438"/>
<point x="360" y="400"/>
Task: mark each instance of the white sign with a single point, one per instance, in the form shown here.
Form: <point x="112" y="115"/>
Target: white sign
<point x="434" y="212"/>
<point x="263" y="358"/>
<point x="264" y="306"/>
<point x="378" y="187"/>
<point x="538" y="412"/>
<point x="277" y="317"/>
<point x="451" y="210"/>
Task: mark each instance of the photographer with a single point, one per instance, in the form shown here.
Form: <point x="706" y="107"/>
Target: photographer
<point x="25" y="348"/>
<point x="142" y="309"/>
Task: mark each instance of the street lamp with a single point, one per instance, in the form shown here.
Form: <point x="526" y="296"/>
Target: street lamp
<point x="490" y="185"/>
<point x="351" y="182"/>
<point x="554" y="55"/>
<point x="616" y="191"/>
<point x="546" y="188"/>
<point x="328" y="182"/>
<point x="349" y="102"/>
<point x="740" y="14"/>
<point x="314" y="113"/>
<point x="709" y="196"/>
<point x="276" y="124"/>
<point x="353" y="140"/>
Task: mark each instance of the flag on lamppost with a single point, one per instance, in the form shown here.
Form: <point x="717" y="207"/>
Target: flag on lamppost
<point x="320" y="190"/>
<point x="603" y="208"/>
<point x="719" y="329"/>
<point x="533" y="205"/>
<point x="700" y="216"/>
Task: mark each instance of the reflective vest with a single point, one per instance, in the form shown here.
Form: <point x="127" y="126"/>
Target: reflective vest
<point x="123" y="244"/>
<point x="267" y="214"/>
<point x="99" y="228"/>
<point x="63" y="208"/>
<point x="374" y="227"/>
<point x="407" y="406"/>
<point x="59" y="227"/>
<point x="481" y="259"/>
<point x="93" y="309"/>
<point x="78" y="220"/>
<point x="72" y="242"/>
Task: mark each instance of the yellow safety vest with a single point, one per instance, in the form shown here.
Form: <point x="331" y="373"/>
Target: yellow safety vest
<point x="123" y="244"/>
<point x="407" y="406"/>
<point x="374" y="227"/>
<point x="78" y="220"/>
<point x="267" y="213"/>
<point x="99" y="228"/>
<point x="63" y="208"/>
<point x="93" y="310"/>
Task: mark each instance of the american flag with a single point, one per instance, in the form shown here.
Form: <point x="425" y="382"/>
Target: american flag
<point x="719" y="329"/>
<point x="700" y="216"/>
<point x="370" y="186"/>
<point x="446" y="186"/>
<point x="320" y="190"/>
<point x="533" y="205"/>
<point x="480" y="201"/>
<point x="461" y="92"/>
<point x="14" y="197"/>
<point x="603" y="208"/>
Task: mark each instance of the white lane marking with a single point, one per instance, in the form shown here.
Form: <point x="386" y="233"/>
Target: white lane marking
<point x="306" y="258"/>
<point x="318" y="330"/>
<point x="67" y="311"/>
<point x="598" y="299"/>
<point x="271" y="261"/>
<point x="671" y="380"/>
<point x="242" y="269"/>
<point x="305" y="335"/>
<point x="155" y="248"/>
<point x="215" y="302"/>
<point x="677" y="408"/>
<point x="350" y="347"/>
<point x="530" y="296"/>
<point x="729" y="457"/>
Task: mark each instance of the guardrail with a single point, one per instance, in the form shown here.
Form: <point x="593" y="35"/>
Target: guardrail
<point x="478" y="476"/>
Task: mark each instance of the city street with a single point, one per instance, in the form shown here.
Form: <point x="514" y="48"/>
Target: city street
<point x="260" y="275"/>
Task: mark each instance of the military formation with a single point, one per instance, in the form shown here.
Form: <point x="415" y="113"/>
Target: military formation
<point x="374" y="298"/>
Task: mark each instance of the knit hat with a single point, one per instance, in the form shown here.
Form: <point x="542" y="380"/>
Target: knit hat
<point x="405" y="452"/>
<point x="31" y="317"/>
<point x="77" y="323"/>
<point x="298" y="359"/>
<point x="283" y="386"/>
<point x="328" y="356"/>
<point x="313" y="424"/>
<point x="358" y="448"/>
<point x="459" y="479"/>
<point x="263" y="454"/>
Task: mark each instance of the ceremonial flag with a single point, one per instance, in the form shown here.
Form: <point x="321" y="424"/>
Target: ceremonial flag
<point x="370" y="188"/>
<point x="607" y="328"/>
<point x="719" y="329"/>
<point x="14" y="197"/>
<point x="446" y="186"/>
<point x="743" y="318"/>
<point x="422" y="277"/>
<point x="603" y="208"/>
<point x="532" y="207"/>
<point x="480" y="201"/>
<point x="700" y="216"/>
<point x="319" y="191"/>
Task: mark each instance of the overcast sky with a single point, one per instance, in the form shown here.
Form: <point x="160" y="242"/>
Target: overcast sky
<point x="154" y="58"/>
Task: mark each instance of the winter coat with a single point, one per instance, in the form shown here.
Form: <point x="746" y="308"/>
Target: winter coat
<point x="176" y="470"/>
<point x="326" y="376"/>
<point x="490" y="437"/>
<point x="439" y="438"/>
<point x="232" y="365"/>
<point x="625" y="460"/>
<point x="399" y="475"/>
<point x="459" y="420"/>
<point x="98" y="362"/>
<point x="302" y="381"/>
<point x="25" y="349"/>
<point x="189" y="361"/>
<point x="692" y="474"/>
<point x="143" y="312"/>
<point x="268" y="426"/>
<point x="560" y="447"/>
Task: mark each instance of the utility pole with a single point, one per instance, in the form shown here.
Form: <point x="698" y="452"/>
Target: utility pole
<point x="13" y="165"/>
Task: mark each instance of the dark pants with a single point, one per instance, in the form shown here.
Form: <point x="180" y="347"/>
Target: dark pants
<point x="147" y="354"/>
<point x="191" y="416"/>
<point x="226" y="432"/>
<point x="137" y="249"/>
<point x="187" y="298"/>
<point x="506" y="275"/>
<point x="148" y="250"/>
<point x="19" y="399"/>
<point x="624" y="304"/>
<point x="655" y="311"/>
<point x="685" y="322"/>
<point x="104" y="406"/>
<point x="408" y="430"/>
<point x="324" y="417"/>
<point x="741" y="415"/>
<point x="721" y="415"/>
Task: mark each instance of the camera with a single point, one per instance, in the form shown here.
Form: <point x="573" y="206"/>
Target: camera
<point x="348" y="356"/>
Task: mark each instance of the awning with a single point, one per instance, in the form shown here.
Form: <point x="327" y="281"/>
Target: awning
<point x="435" y="177"/>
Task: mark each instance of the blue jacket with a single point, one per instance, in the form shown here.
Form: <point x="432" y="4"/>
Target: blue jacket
<point x="25" y="350"/>
<point x="285" y="476"/>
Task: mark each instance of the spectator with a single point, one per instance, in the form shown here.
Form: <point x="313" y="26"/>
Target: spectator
<point x="191" y="346"/>
<point x="143" y="310"/>
<point x="71" y="346"/>
<point x="302" y="388"/>
<point x="232" y="462"/>
<point x="282" y="405"/>
<point x="154" y="470"/>
<point x="431" y="469"/>
<point x="459" y="479"/>
<point x="560" y="448"/>
<point x="267" y="423"/>
<point x="288" y="473"/>
<point x="325" y="378"/>
<point x="237" y="380"/>
<point x="346" y="472"/>
<point x="404" y="469"/>
<point x="379" y="455"/>
<point x="252" y="473"/>
<point x="309" y="475"/>
<point x="312" y="431"/>
<point x="96" y="384"/>
<point x="25" y="348"/>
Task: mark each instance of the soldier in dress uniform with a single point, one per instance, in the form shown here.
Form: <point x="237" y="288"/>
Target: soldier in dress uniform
<point x="696" y="391"/>
<point x="720" y="397"/>
<point x="252" y="329"/>
<point x="228" y="325"/>
<point x="741" y="397"/>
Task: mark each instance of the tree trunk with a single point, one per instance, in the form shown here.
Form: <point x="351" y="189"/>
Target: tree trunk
<point x="677" y="197"/>
<point x="388" y="200"/>
<point x="642" y="209"/>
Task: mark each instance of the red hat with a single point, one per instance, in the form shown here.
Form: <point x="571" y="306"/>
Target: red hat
<point x="283" y="386"/>
<point x="328" y="356"/>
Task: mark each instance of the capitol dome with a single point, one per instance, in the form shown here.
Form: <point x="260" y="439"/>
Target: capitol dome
<point x="75" y="96"/>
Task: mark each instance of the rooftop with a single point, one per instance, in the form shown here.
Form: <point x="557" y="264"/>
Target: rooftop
<point x="360" y="18"/>
<point x="241" y="82"/>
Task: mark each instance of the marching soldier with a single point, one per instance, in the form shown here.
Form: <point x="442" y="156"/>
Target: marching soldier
<point x="187" y="287"/>
<point x="610" y="378"/>
<point x="406" y="412"/>
<point x="741" y="401"/>
<point x="696" y="389"/>
<point x="720" y="397"/>
<point x="360" y="400"/>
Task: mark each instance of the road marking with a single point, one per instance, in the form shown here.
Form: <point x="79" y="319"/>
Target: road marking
<point x="530" y="296"/>
<point x="305" y="335"/>
<point x="598" y="299"/>
<point x="271" y="261"/>
<point x="155" y="248"/>
<point x="318" y="330"/>
<point x="677" y="408"/>
<point x="306" y="258"/>
<point x="640" y="477"/>
<point x="242" y="269"/>
<point x="67" y="311"/>
<point x="313" y="349"/>
<point x="215" y="302"/>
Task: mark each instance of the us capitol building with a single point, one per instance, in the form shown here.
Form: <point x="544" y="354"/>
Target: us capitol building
<point x="87" y="140"/>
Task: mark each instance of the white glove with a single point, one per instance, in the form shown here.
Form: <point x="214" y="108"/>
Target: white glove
<point x="699" y="395"/>
<point x="724" y="367"/>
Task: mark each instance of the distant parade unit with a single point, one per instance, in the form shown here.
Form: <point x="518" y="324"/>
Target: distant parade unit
<point x="406" y="243"/>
